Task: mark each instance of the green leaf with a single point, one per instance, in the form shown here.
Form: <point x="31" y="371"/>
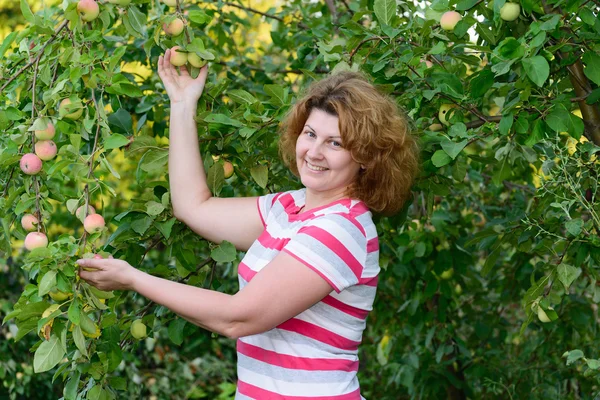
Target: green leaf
<point x="121" y="119"/>
<point x="242" y="96"/>
<point x="440" y="158"/>
<point x="385" y="11"/>
<point x="538" y="133"/>
<point x="48" y="355"/>
<point x="573" y="356"/>
<point x="71" y="388"/>
<point x="574" y="226"/>
<point x="277" y="94"/>
<point x="154" y="208"/>
<point x="141" y="225"/>
<point x="7" y="42"/>
<point x="482" y="83"/>
<point x="593" y="364"/>
<point x="260" y="174"/>
<point x="79" y="340"/>
<point x="449" y="84"/>
<point x="567" y="274"/>
<point x="216" y="178"/>
<point x="505" y="124"/>
<point x="537" y="69"/>
<point x="464" y="5"/>
<point x="223" y="119"/>
<point x="166" y="227"/>
<point x="176" y="330"/>
<point x="47" y="283"/>
<point x="26" y="11"/>
<point x="453" y="149"/>
<point x="115" y="141"/>
<point x="154" y="160"/>
<point x="558" y="119"/>
<point x="223" y="253"/>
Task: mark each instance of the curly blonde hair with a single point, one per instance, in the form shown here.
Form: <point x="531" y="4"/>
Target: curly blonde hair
<point x="375" y="132"/>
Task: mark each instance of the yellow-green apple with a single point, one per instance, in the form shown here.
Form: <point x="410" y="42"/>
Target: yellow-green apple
<point x="46" y="149"/>
<point x="88" y="9"/>
<point x="70" y="110"/>
<point x="138" y="329"/>
<point x="33" y="240"/>
<point x="449" y="20"/>
<point x="178" y="58"/>
<point x="196" y="61"/>
<point x="510" y="11"/>
<point x="227" y="169"/>
<point x="173" y="28"/>
<point x="447" y="274"/>
<point x="443" y="113"/>
<point x="58" y="295"/>
<point x="171" y="3"/>
<point x="47" y="133"/>
<point x="93" y="223"/>
<point x="30" y="164"/>
<point x="542" y="316"/>
<point x="120" y="2"/>
<point x="29" y="222"/>
<point x="436" y="127"/>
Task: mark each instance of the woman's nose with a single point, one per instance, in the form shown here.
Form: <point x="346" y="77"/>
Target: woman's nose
<point x="314" y="151"/>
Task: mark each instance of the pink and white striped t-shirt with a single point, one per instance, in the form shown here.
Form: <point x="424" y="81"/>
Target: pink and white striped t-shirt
<point x="315" y="354"/>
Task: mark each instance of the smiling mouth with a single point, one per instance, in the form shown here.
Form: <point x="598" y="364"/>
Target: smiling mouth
<point x="315" y="167"/>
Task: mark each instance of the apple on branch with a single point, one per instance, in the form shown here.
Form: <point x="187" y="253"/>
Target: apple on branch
<point x="93" y="223"/>
<point x="171" y="3"/>
<point x="30" y="164"/>
<point x="178" y="58"/>
<point x="70" y="109"/>
<point x="449" y="20"/>
<point x="173" y="28"/>
<point x="46" y="129"/>
<point x="46" y="149"/>
<point x="510" y="11"/>
<point x="34" y="240"/>
<point x="29" y="222"/>
<point x="88" y="10"/>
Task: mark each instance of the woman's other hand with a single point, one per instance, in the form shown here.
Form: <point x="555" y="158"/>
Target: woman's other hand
<point x="180" y="86"/>
<point x="108" y="274"/>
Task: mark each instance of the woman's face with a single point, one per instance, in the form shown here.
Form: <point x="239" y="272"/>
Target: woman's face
<point x="324" y="165"/>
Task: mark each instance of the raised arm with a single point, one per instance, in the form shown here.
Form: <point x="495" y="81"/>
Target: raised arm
<point x="233" y="219"/>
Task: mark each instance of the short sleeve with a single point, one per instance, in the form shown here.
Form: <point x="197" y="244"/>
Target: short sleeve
<point x="265" y="204"/>
<point x="334" y="246"/>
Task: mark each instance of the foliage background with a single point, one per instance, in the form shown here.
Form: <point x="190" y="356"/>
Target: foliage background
<point x="504" y="219"/>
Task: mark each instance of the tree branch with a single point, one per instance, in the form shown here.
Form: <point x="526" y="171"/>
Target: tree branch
<point x="37" y="58"/>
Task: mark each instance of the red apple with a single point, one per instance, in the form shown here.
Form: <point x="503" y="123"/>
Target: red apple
<point x="46" y="149"/>
<point x="93" y="223"/>
<point x="228" y="169"/>
<point x="29" y="222"/>
<point x="33" y="240"/>
<point x="30" y="164"/>
<point x="88" y="10"/>
<point x="79" y="213"/>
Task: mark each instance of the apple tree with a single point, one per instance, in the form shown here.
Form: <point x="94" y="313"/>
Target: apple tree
<point x="489" y="283"/>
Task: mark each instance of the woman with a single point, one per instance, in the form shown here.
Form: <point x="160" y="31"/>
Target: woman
<point x="308" y="279"/>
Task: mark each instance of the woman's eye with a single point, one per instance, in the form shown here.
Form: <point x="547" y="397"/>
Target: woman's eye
<point x="336" y="144"/>
<point x="310" y="134"/>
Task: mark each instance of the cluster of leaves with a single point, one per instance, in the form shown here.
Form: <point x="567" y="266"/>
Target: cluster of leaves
<point x="489" y="275"/>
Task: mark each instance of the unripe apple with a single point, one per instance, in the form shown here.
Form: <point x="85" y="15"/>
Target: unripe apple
<point x="227" y="169"/>
<point x="542" y="316"/>
<point x="30" y="164"/>
<point x="171" y="3"/>
<point x="449" y="20"/>
<point x="46" y="149"/>
<point x="138" y="329"/>
<point x="88" y="9"/>
<point x="93" y="223"/>
<point x="442" y="114"/>
<point x="178" y="58"/>
<point x="47" y="133"/>
<point x="447" y="274"/>
<point x="510" y="11"/>
<point x="436" y="127"/>
<point x="58" y="295"/>
<point x="173" y="28"/>
<point x="33" y="240"/>
<point x="66" y="110"/>
<point x="29" y="222"/>
<point x="120" y="2"/>
<point x="79" y="213"/>
<point x="196" y="61"/>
